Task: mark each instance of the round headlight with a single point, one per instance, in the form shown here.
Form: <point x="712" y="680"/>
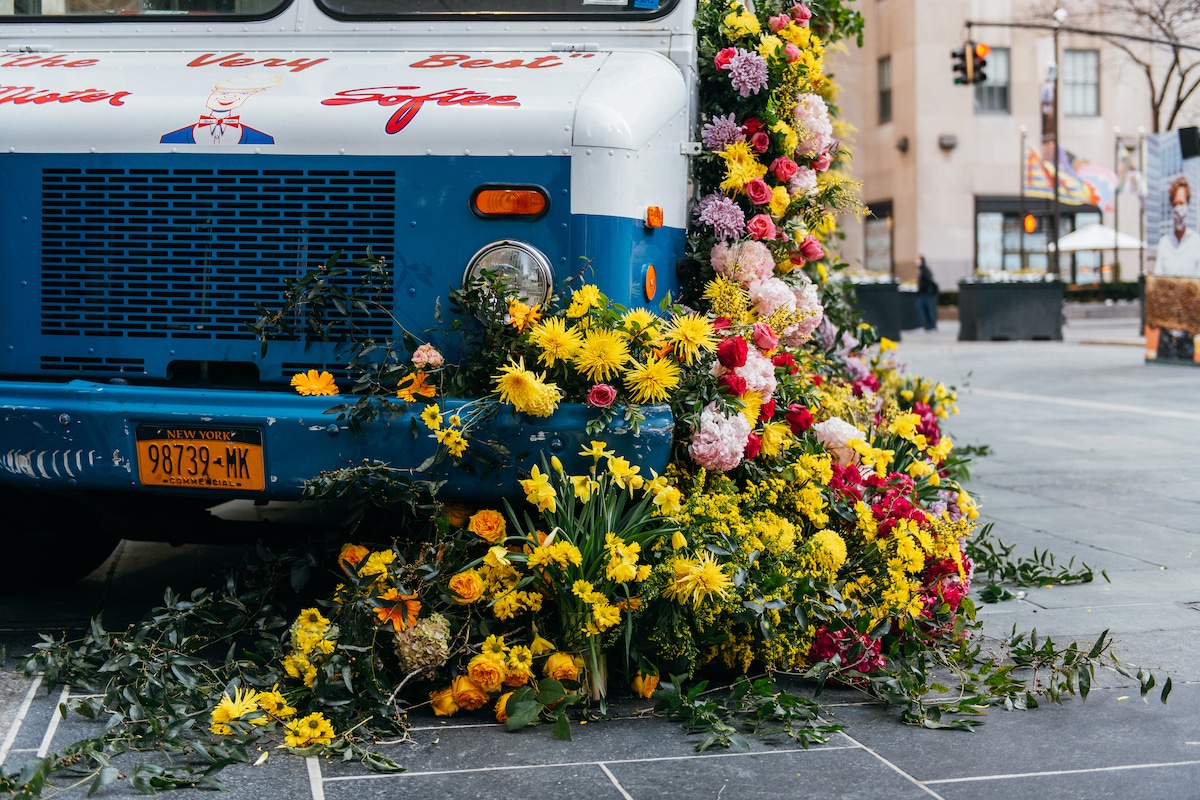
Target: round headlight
<point x="524" y="269"/>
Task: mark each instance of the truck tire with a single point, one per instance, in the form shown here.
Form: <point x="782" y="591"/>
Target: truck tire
<point x="64" y="533"/>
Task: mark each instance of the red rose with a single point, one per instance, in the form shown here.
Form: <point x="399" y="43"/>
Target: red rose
<point x="732" y="352"/>
<point x="724" y="57"/>
<point x="817" y="380"/>
<point x="721" y="323"/>
<point x="753" y="445"/>
<point x="785" y="360"/>
<point x="760" y="226"/>
<point x="784" y="169"/>
<point x="765" y="337"/>
<point x="768" y="409"/>
<point x="753" y="126"/>
<point x="811" y="249"/>
<point x="760" y="142"/>
<point x="758" y="192"/>
<point x="799" y="418"/>
<point x="735" y="383"/>
<point x="601" y="395"/>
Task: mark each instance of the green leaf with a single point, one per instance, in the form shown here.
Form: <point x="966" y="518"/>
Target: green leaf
<point x="562" y="727"/>
<point x="107" y="775"/>
<point x="1166" y="691"/>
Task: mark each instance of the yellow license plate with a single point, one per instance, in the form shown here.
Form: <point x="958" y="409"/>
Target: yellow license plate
<point x="201" y="458"/>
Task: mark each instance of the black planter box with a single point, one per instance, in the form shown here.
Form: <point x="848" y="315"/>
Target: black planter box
<point x="880" y="305"/>
<point x="1004" y="311"/>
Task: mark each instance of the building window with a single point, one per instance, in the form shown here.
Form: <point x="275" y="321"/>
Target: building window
<point x="878" y="239"/>
<point x="885" y="89"/>
<point x="991" y="96"/>
<point x="1003" y="245"/>
<point x="1080" y="83"/>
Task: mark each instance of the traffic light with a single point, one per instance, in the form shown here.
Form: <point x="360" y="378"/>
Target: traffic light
<point x="979" y="52"/>
<point x="962" y="65"/>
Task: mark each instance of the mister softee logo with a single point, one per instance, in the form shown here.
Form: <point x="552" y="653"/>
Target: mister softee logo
<point x="407" y="102"/>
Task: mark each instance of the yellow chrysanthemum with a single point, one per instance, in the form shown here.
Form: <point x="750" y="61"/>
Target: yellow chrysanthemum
<point x="521" y="316"/>
<point x="527" y="392"/>
<point x="602" y="355"/>
<point x="653" y="381"/>
<point x="229" y="709"/>
<point x="640" y="323"/>
<point x="557" y="341"/>
<point x="741" y="167"/>
<point x="727" y="299"/>
<point x="696" y="579"/>
<point x="312" y="619"/>
<point x="311" y="730"/>
<point x="314" y="384"/>
<point x="690" y="334"/>
<point x="584" y="299"/>
<point x="779" y="202"/>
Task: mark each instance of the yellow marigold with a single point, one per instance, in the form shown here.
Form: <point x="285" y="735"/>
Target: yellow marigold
<point x="311" y="730"/>
<point x="602" y="355"/>
<point x="556" y="341"/>
<point x="653" y="381"/>
<point x="829" y="549"/>
<point x="741" y="23"/>
<point x="314" y="384"/>
<point x="350" y="557"/>
<point x="777" y="206"/>
<point x="377" y="562"/>
<point x="488" y="525"/>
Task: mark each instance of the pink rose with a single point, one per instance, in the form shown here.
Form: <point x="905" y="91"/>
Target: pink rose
<point x="800" y="13"/>
<point x="784" y="169"/>
<point x="791" y="52"/>
<point x="765" y="337"/>
<point x="760" y="142"/>
<point x="601" y="395"/>
<point x="753" y="445"/>
<point x="724" y="57"/>
<point x="758" y="192"/>
<point x="811" y="249"/>
<point x="736" y="384"/>
<point x="822" y="162"/>
<point x="731" y="352"/>
<point x="760" y="226"/>
<point x="779" y="22"/>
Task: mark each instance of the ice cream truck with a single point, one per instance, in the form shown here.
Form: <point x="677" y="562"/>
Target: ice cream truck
<point x="167" y="164"/>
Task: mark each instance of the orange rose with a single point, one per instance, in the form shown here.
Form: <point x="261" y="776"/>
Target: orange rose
<point x="502" y="707"/>
<point x="457" y="514"/>
<point x="467" y="587"/>
<point x="561" y="667"/>
<point x="487" y="672"/>
<point x="488" y="525"/>
<point x="443" y="702"/>
<point x="352" y="554"/>
<point x="467" y="693"/>
<point x="644" y="685"/>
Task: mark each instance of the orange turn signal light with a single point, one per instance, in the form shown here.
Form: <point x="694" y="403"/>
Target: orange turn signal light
<point x="509" y="201"/>
<point x="654" y="217"/>
<point x="650" y="283"/>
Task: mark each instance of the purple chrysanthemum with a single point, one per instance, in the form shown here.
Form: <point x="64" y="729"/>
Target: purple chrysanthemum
<point x="722" y="132"/>
<point x="748" y="72"/>
<point x="726" y="217"/>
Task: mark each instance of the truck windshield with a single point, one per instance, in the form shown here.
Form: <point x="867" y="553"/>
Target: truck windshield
<point x="205" y="9"/>
<point x="398" y="9"/>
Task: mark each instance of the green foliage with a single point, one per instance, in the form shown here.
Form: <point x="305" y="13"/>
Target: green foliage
<point x="993" y="558"/>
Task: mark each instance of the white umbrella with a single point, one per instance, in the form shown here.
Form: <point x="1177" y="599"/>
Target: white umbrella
<point x="1097" y="237"/>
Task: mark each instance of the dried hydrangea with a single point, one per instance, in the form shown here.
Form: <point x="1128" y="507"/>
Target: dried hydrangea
<point x="424" y="646"/>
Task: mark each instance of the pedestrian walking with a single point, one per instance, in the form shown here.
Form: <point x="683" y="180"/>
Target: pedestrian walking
<point x="927" y="296"/>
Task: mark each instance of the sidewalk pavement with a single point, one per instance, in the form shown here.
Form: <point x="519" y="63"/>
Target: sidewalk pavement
<point x="1092" y="456"/>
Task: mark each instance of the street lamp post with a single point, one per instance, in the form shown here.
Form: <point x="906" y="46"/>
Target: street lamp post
<point x="1116" y="205"/>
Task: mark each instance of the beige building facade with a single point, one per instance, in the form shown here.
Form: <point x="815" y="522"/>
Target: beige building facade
<point x="941" y="164"/>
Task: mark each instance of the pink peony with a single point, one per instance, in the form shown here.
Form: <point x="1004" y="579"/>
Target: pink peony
<point x="812" y="116"/>
<point x="803" y="183"/>
<point x="601" y="395"/>
<point x="833" y="434"/>
<point x="719" y="442"/>
<point x="760" y="226"/>
<point x="757" y="190"/>
<point x="770" y="295"/>
<point x="759" y="373"/>
<point x="724" y="57"/>
<point x="427" y="356"/>
<point x="807" y="301"/>
<point x="744" y="263"/>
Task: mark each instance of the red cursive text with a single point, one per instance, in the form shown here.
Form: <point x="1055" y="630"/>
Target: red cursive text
<point x="466" y="62"/>
<point x="239" y="60"/>
<point x="26" y="60"/>
<point x="410" y="104"/>
<point x="19" y="95"/>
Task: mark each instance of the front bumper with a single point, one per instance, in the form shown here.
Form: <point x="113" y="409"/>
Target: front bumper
<point x="83" y="436"/>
